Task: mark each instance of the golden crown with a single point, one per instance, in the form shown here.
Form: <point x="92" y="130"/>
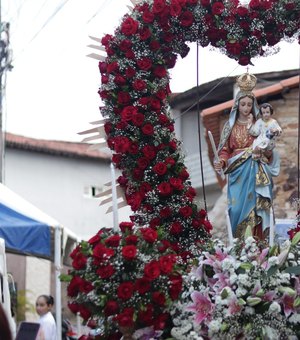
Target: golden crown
<point x="246" y="82"/>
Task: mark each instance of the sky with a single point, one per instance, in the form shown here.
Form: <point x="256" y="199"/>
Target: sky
<point x="51" y="92"/>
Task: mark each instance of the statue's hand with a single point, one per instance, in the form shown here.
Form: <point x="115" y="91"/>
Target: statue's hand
<point x="250" y="121"/>
<point x="218" y="166"/>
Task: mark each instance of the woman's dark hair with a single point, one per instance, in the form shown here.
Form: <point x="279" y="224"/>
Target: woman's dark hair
<point x="5" y="332"/>
<point x="264" y="106"/>
<point x="48" y="298"/>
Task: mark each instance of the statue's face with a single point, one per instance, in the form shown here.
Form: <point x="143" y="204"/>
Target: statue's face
<point x="245" y="106"/>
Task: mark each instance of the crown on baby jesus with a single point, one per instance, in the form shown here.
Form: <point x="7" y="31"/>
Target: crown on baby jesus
<point x="246" y="82"/>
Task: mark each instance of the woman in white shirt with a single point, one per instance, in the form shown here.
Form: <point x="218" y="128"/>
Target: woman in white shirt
<point x="44" y="304"/>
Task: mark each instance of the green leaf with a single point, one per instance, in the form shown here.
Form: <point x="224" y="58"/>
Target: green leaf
<point x="293" y="270"/>
<point x="65" y="277"/>
<point x="296" y="239"/>
<point x="246" y="265"/>
<point x="272" y="270"/>
<point x="224" y="294"/>
<point x="296" y="303"/>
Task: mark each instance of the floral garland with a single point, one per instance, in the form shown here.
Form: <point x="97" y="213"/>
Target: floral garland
<point x="124" y="280"/>
<point x="104" y="282"/>
<point x="242" y="292"/>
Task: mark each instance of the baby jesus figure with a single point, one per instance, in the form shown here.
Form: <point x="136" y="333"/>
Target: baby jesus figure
<point x="265" y="128"/>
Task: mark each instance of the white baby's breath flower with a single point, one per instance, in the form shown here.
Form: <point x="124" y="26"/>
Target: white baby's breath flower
<point x="273" y="261"/>
<point x="249" y="310"/>
<point x="233" y="278"/>
<point x="274" y="307"/>
<point x="213" y="327"/>
<point x="241" y="292"/>
<point x="227" y="263"/>
<point x="244" y="280"/>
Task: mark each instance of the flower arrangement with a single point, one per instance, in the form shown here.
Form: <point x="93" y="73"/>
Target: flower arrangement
<point x="242" y="292"/>
<point x="124" y="280"/>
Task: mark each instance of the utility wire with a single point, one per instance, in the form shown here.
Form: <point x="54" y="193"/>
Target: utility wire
<point x="199" y="131"/>
<point x="43" y="26"/>
<point x="206" y="94"/>
<point x="104" y="4"/>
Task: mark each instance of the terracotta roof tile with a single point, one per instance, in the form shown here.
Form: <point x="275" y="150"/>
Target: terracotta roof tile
<point x="69" y="149"/>
<point x="266" y="91"/>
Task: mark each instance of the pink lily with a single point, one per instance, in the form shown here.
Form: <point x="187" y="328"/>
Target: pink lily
<point x="223" y="280"/>
<point x="202" y="306"/>
<point x="288" y="304"/>
<point x="234" y="307"/>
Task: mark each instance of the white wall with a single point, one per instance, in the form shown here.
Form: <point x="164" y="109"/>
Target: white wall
<point x="56" y="185"/>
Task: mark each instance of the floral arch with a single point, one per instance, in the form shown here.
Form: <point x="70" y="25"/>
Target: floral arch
<point x="140" y="131"/>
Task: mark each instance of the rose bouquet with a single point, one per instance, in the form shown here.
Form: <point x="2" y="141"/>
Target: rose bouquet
<point x="124" y="280"/>
<point x="242" y="292"/>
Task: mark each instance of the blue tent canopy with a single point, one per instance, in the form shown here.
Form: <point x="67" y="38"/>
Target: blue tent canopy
<point x="23" y="234"/>
<point x="25" y="228"/>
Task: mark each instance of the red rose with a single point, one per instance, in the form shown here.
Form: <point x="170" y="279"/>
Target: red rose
<point x="144" y="64"/>
<point x="131" y="239"/>
<point x="84" y="312"/>
<point x="119" y="80"/>
<point x="242" y="11"/>
<point x="73" y="286"/>
<point x="139" y="85"/>
<point x="134" y="148"/>
<point x="137" y="174"/>
<point x="168" y="37"/>
<point x="113" y="241"/>
<point x="129" y="26"/>
<point x="143" y="163"/>
<point x="104" y="79"/>
<point x="217" y="8"/>
<point x="106" y="271"/>
<point x="158" y="6"/>
<point x="100" y="252"/>
<point x="125" y="290"/>
<point x="154" y="45"/>
<point x="170" y="161"/>
<point x="205" y="3"/>
<point x="74" y="307"/>
<point x="244" y="60"/>
<point x="125" y="319"/>
<point x="116" y="158"/>
<point x="123" y="98"/>
<point x="160" y="71"/>
<point x="134" y="200"/>
<point x="290" y="6"/>
<point x="149" y="235"/>
<point x="161" y="321"/>
<point x="146" y="316"/>
<point x="207" y="225"/>
<point x="254" y="4"/>
<point x="126" y="226"/>
<point x="102" y="66"/>
<point x="111" y="308"/>
<point x="152" y="270"/>
<point x="176" y="183"/>
<point x="145" y="187"/>
<point x="106" y="40"/>
<point x="160" y="168"/>
<point x="155" y="222"/>
<point x="129" y="252"/>
<point x="184" y="174"/>
<point x="148" y="17"/>
<point x="176" y="286"/>
<point x="145" y="33"/>
<point x="164" y="189"/>
<point x="125" y="45"/>
<point x="128" y="112"/>
<point x="142" y="285"/>
<point x="186" y="19"/>
<point x="159" y="298"/>
<point x="165" y="244"/>
<point x="175" y="9"/>
<point x="130" y="72"/>
<point x="155" y="104"/>
<point x="121" y="144"/>
<point x="186" y="211"/>
<point x="149" y="151"/>
<point x="233" y="48"/>
<point x="113" y="67"/>
<point x="166" y="263"/>
<point x="176" y="228"/>
<point x="148" y="129"/>
<point x="79" y="262"/>
<point x="138" y="119"/>
<point x="85" y="287"/>
<point x="165" y="212"/>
